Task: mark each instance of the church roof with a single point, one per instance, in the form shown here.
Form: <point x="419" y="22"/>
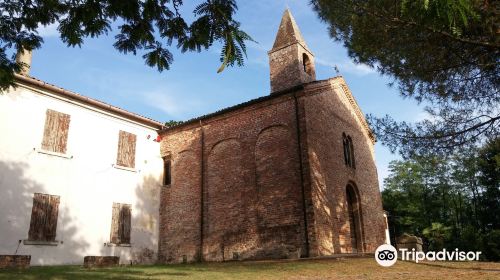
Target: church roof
<point x="288" y="32"/>
<point x="297" y="88"/>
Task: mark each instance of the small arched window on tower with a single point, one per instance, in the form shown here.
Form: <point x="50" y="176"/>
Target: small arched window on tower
<point x="306" y="63"/>
<point x="348" y="151"/>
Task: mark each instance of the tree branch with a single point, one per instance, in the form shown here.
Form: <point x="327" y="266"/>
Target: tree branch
<point x="446" y="34"/>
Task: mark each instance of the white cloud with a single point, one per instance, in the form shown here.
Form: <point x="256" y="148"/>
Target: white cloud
<point x="162" y="102"/>
<point x="348" y="66"/>
<point x="422" y="116"/>
<point x="259" y="47"/>
<point x="425" y="116"/>
<point x="173" y="106"/>
<point x="48" y="30"/>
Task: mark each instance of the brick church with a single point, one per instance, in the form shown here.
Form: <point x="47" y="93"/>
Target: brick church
<point x="291" y="174"/>
<point x="288" y="175"/>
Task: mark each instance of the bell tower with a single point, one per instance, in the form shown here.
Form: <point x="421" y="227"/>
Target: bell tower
<point x="290" y="60"/>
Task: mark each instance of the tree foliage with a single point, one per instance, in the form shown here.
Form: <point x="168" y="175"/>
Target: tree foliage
<point x="171" y="123"/>
<point x="443" y="53"/>
<point x="146" y="26"/>
<point x="453" y="202"/>
<point x="436" y="234"/>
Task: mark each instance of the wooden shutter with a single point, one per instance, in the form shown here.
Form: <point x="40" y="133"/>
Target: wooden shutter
<point x="37" y="217"/>
<point x="52" y="210"/>
<point x="43" y="224"/>
<point x="55" y="134"/>
<point x="121" y="223"/>
<point x="126" y="149"/>
<point x="115" y="219"/>
<point x="125" y="223"/>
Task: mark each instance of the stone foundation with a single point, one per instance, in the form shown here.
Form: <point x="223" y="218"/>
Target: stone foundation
<point x="409" y="242"/>
<point x="15" y="261"/>
<point x="100" y="261"/>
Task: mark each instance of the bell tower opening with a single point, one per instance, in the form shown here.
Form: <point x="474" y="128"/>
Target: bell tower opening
<point x="290" y="60"/>
<point x="306" y="63"/>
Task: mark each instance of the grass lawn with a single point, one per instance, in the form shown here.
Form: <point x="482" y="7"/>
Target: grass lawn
<point x="350" y="268"/>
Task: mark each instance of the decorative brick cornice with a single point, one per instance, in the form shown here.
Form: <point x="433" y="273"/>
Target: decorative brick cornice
<point x="325" y="85"/>
<point x="357" y="111"/>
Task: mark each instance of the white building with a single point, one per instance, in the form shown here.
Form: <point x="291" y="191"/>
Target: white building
<point x="78" y="177"/>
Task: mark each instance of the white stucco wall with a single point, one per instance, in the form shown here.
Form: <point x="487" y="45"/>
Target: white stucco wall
<point x="87" y="183"/>
<point x="387" y="236"/>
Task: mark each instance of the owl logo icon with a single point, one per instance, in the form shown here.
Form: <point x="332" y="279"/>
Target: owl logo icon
<point x="386" y="255"/>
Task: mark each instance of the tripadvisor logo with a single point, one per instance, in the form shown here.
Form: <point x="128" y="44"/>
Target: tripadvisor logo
<point x="387" y="255"/>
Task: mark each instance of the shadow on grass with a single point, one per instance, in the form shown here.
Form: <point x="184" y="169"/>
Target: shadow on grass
<point x="147" y="271"/>
<point x="304" y="269"/>
<point x="73" y="272"/>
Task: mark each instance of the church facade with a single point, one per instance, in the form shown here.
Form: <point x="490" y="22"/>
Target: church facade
<point x="287" y="175"/>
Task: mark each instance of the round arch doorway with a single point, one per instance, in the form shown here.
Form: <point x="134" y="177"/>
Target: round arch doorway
<point x="354" y="218"/>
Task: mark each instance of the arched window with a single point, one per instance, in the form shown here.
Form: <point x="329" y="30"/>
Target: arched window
<point x="351" y="152"/>
<point x="306" y="62"/>
<point x="348" y="151"/>
<point x="354" y="216"/>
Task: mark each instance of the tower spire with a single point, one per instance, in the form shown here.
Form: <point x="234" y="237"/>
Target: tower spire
<point x="288" y="32"/>
<point x="290" y="60"/>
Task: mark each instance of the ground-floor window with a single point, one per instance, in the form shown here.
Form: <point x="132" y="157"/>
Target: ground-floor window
<point x="121" y="223"/>
<point x="43" y="224"/>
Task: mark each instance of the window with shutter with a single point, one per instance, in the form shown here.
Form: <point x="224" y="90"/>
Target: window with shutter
<point x="55" y="134"/>
<point x="121" y="223"/>
<point x="126" y="149"/>
<point x="43" y="224"/>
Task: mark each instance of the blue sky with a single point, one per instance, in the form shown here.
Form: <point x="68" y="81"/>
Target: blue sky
<point x="192" y="87"/>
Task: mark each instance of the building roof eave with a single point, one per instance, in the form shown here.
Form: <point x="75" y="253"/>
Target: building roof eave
<point x="30" y="81"/>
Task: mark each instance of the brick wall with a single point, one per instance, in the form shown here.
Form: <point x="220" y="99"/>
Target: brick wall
<point x="100" y="261"/>
<point x="180" y="203"/>
<point x="328" y="114"/>
<point x="252" y="196"/>
<point x="286" y="67"/>
<point x="240" y="180"/>
<point x="14" y="261"/>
